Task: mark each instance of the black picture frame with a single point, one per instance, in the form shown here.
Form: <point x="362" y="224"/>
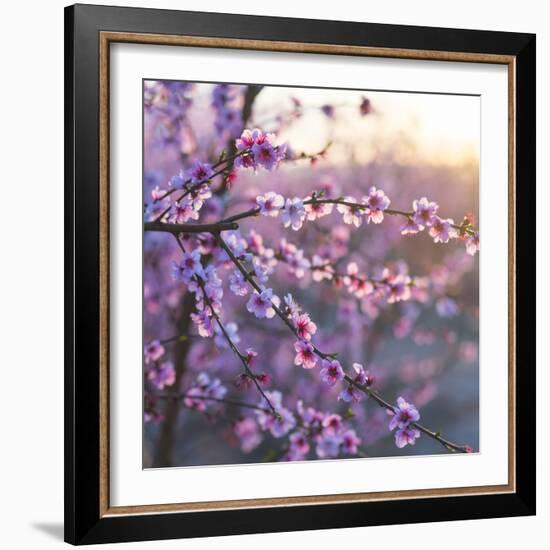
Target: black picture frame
<point x="84" y="524"/>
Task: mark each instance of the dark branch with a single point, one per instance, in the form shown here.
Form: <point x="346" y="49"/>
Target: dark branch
<point x="177" y="228"/>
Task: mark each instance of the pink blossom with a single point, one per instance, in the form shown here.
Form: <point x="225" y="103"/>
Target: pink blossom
<point x="305" y="327"/>
<point x="157" y="193"/>
<point x="406" y="435"/>
<point x="212" y="387"/>
<point x="155" y="209"/>
<point x="265" y="155"/>
<point x="260" y="272"/>
<point x="441" y="230"/>
<point x="200" y="172"/>
<point x="204" y="323"/>
<point x="308" y="415"/>
<point x="351" y="214"/>
<point x="420" y="289"/>
<point x="261" y="304"/>
<point x="298" y="264"/>
<point x="377" y="202"/>
<point x="270" y="204"/>
<point x="246" y="161"/>
<point x="238" y="245"/>
<point x="299" y="446"/>
<point x="321" y="269"/>
<point x="404" y="413"/>
<point x="305" y="355"/>
<point x="446" y="307"/>
<point x="292" y="307"/>
<point x="247" y="139"/>
<point x="204" y="386"/>
<point x="424" y="212"/>
<point x="352" y="394"/>
<point x="472" y="244"/>
<point x="247" y="432"/>
<point x="208" y="244"/>
<point x="283" y="424"/>
<point x="355" y="284"/>
<point x="267" y="421"/>
<point x="192" y="399"/>
<point x="328" y="446"/>
<point x="259" y="150"/>
<point x="153" y="351"/>
<point x="399" y="288"/>
<point x="410" y="227"/>
<point x="331" y="371"/>
<point x="212" y="285"/>
<point x="182" y="211"/>
<point x="350" y="442"/>
<point x="317" y="210"/>
<point x="265" y="417"/>
<point x="230" y="179"/>
<point x="237" y="283"/>
<point x="263" y="378"/>
<point x="163" y="375"/>
<point x="332" y="423"/>
<point x="294" y="213"/>
<point x="266" y="259"/>
<point x="243" y="382"/>
<point x="250" y="356"/>
<point x="178" y="181"/>
<point x="198" y="194"/>
<point x="189" y="266"/>
<point x="255" y="243"/>
<point x="286" y="249"/>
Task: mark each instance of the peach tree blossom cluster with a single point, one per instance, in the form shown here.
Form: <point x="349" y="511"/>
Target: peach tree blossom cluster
<point x="402" y="421"/>
<point x="230" y="273"/>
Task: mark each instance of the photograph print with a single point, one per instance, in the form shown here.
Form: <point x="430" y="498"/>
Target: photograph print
<point x="310" y="273"/>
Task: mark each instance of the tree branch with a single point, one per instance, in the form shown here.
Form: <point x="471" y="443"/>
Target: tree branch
<point x="367" y="391"/>
<point x="177" y="228"/>
<point x="359" y="206"/>
<point x="235" y="349"/>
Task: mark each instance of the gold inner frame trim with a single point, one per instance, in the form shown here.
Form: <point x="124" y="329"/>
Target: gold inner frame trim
<point x="105" y="39"/>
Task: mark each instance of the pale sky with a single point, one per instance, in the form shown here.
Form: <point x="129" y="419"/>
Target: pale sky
<point x="405" y="127"/>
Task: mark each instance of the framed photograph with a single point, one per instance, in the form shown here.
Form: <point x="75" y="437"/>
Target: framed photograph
<point x="300" y="279"/>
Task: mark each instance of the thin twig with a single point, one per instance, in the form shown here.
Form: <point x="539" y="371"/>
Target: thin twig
<point x="338" y="275"/>
<point x="177" y="228"/>
<point x="235" y="349"/>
